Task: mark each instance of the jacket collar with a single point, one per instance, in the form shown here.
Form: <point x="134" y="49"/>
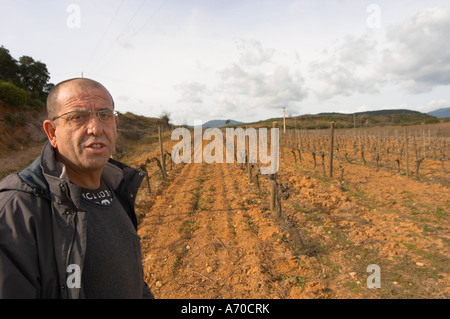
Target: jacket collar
<point x="46" y="176"/>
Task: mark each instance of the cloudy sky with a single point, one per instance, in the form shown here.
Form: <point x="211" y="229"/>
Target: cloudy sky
<point x="242" y="59"/>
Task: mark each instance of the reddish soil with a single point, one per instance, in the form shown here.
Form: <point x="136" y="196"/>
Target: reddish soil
<point x="207" y="232"/>
<point x="15" y="160"/>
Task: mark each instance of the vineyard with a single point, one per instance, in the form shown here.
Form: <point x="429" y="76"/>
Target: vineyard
<point x="340" y="201"/>
<point x="396" y="149"/>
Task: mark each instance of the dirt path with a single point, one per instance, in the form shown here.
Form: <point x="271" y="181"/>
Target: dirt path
<point x="208" y="233"/>
<point x="15" y="161"/>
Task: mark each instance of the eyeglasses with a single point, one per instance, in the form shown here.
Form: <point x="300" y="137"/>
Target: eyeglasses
<point x="83" y="116"/>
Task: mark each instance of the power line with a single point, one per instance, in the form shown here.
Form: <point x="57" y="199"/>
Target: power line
<point x="106" y="30"/>
<point x="151" y="16"/>
<point x="143" y="26"/>
<point x="137" y="11"/>
<point x="128" y="23"/>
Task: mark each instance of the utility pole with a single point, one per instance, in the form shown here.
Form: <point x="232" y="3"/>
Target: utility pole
<point x="284" y="119"/>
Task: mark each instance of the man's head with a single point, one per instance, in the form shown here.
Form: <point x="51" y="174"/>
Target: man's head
<point x="82" y="83"/>
<point x="83" y="141"/>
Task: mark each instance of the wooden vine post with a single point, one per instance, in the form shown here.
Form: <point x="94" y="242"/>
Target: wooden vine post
<point x="163" y="164"/>
<point x="331" y="149"/>
<point x="143" y="167"/>
<point x="406" y="151"/>
<point x="273" y="185"/>
<point x="247" y="155"/>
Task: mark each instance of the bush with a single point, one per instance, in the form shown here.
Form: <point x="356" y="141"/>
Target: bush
<point x="12" y="95"/>
<point x="39" y="104"/>
<point x="9" y="118"/>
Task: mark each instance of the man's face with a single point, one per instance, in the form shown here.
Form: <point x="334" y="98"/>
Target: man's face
<point x="84" y="147"/>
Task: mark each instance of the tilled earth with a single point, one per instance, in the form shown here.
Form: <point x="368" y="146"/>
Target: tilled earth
<point x="207" y="232"/>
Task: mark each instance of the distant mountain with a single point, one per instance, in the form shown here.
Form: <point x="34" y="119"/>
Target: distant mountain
<point x="221" y="123"/>
<point x="344" y="120"/>
<point x="440" y="113"/>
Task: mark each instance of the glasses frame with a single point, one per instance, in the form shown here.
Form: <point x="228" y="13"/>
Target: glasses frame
<point x="115" y="114"/>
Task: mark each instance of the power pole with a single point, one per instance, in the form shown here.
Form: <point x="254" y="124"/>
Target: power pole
<point x="284" y="119"/>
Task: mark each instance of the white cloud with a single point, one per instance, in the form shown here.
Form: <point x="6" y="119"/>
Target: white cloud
<point x="254" y="81"/>
<point x="124" y="38"/>
<point x="349" y="67"/>
<point x="123" y="98"/>
<point x="277" y="87"/>
<point x="258" y="80"/>
<point x="252" y="52"/>
<point x="245" y="59"/>
<point x="363" y="108"/>
<point x="420" y="55"/>
<point x="435" y="105"/>
<point x="414" y="55"/>
<point x="191" y="92"/>
<point x="226" y="105"/>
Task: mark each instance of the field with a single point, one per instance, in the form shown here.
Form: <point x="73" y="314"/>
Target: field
<point x="208" y="230"/>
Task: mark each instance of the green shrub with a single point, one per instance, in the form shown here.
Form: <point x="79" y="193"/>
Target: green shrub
<point x="12" y="95"/>
<point x="9" y="118"/>
<point x="39" y="104"/>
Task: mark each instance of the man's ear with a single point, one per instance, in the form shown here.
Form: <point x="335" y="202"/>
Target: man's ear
<point x="50" y="130"/>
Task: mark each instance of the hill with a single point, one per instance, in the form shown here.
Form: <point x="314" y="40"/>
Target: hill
<point x="135" y="130"/>
<point x="440" y="113"/>
<point x="22" y="128"/>
<point x="221" y="123"/>
<point x="360" y="119"/>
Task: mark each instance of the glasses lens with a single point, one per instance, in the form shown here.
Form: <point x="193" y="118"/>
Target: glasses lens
<point x="79" y="117"/>
<point x="83" y="117"/>
<point x="106" y="116"/>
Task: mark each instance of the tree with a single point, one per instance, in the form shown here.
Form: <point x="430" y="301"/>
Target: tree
<point x="12" y="95"/>
<point x="8" y="67"/>
<point x="165" y="118"/>
<point x="33" y="74"/>
<point x="47" y="88"/>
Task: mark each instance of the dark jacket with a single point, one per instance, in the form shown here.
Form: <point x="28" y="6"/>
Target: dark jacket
<point x="43" y="228"/>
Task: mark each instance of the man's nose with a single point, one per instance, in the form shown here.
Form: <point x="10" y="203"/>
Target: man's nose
<point x="95" y="125"/>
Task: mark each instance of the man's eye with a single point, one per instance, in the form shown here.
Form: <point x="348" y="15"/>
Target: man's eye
<point x="78" y="117"/>
<point x="105" y="115"/>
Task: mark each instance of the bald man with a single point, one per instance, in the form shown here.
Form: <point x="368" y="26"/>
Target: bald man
<point x="67" y="222"/>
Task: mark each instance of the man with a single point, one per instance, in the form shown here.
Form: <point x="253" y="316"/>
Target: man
<point x="67" y="222"/>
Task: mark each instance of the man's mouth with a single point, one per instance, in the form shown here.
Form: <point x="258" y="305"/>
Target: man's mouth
<point x="96" y="146"/>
